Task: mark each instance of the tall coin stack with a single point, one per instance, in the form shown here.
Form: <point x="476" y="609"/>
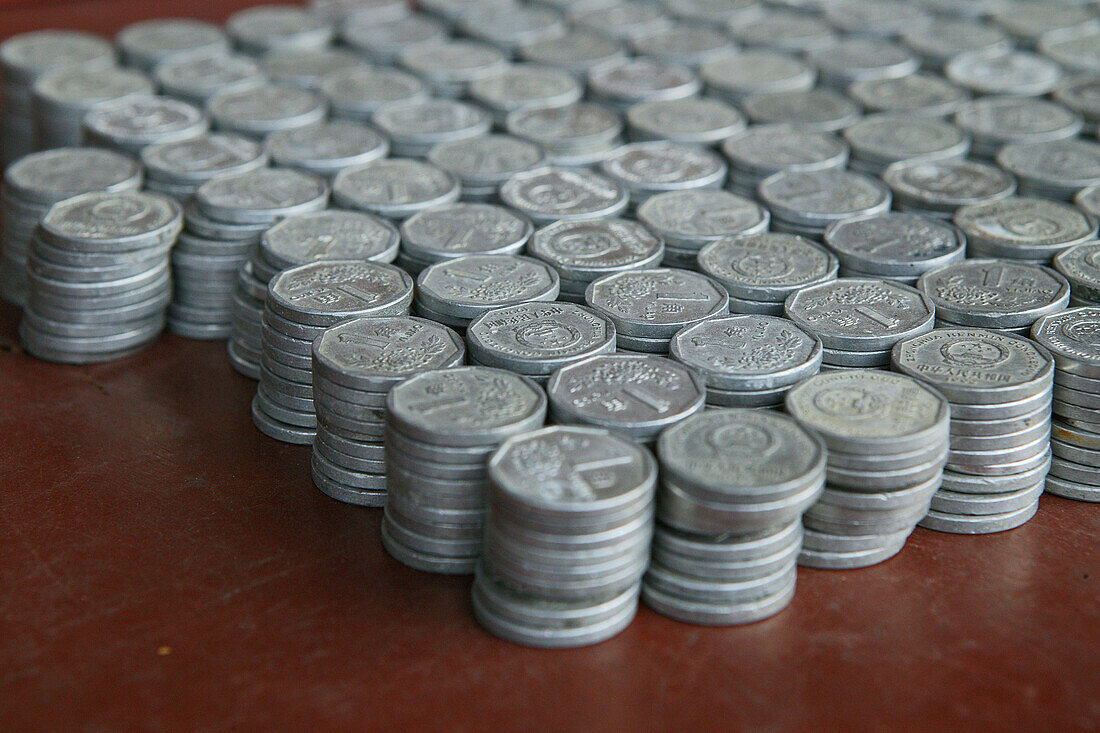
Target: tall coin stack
<point x="99" y="276"/>
<point x="355" y="363"/>
<point x="999" y="387"/>
<point x="688" y="221"/>
<point x="1075" y="433"/>
<point x="567" y="537"/>
<point x="894" y="246"/>
<point x="1080" y="265"/>
<point x="131" y="123"/>
<point x="301" y="303"/>
<point x="734" y="485"/>
<point x="62" y="98"/>
<point x="887" y="436"/>
<point x="441" y="428"/>
<point x="1023" y="229"/>
<point x="37" y="181"/>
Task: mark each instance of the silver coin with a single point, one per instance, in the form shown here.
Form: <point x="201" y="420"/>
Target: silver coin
<point x="852" y="559"/>
<point x="1073" y="48"/>
<point x="525" y="86"/>
<point x="192" y="162"/>
<point x="450" y="67"/>
<point x="1071" y="337"/>
<point x="789" y="32"/>
<point x="689" y="44"/>
<point x="766" y="266"/>
<point x="1068" y="470"/>
<point x="719" y="13"/>
<point x="1004" y="72"/>
<point x="537" y="338"/>
<point x="197" y="79"/>
<point x="762" y="150"/>
<point x="466" y="287"/>
<point x="679" y="508"/>
<point x="982" y="524"/>
<point x="1075" y="454"/>
<point x="649" y="168"/>
<point x="825" y="542"/>
<point x="940" y="39"/>
<point x="728" y="549"/>
<point x="326" y="148"/>
<point x="1088" y="199"/>
<point x="149" y="43"/>
<point x="881" y="139"/>
<point x="61" y="98"/>
<point x="1080" y="264"/>
<point x="49" y="176"/>
<point x="925" y="95"/>
<point x="576" y="51"/>
<point x="350" y="11"/>
<point x="994" y="293"/>
<point x="570" y="130"/>
<point x="112" y="221"/>
<point x="1072" y="489"/>
<point x="656" y="303"/>
<point x="858" y="58"/>
<point x="993" y="121"/>
<point x="621" y="83"/>
<point x="1082" y="96"/>
<point x="895" y="244"/>
<point x="261" y="110"/>
<point x="1006" y="440"/>
<point x="395" y="188"/>
<point x="357" y="93"/>
<point x="1055" y="169"/>
<point x="261" y="196"/>
<point x="508" y="27"/>
<point x="814" y="110"/>
<point x="384" y="42"/>
<point x="266" y="27"/>
<point x="305" y="68"/>
<point x="878" y="18"/>
<point x="738" y="75"/>
<point x="939" y="188"/>
<point x="414" y="127"/>
<point x="328" y="235"/>
<point x="692" y="219"/>
<point x="693" y="121"/>
<point x="723" y="571"/>
<point x="429" y="562"/>
<point x="1075" y="381"/>
<point x="997" y="460"/>
<point x="586" y="250"/>
<point x="1027" y="21"/>
<point x="997" y="484"/>
<point x="717" y="613"/>
<point x="323" y="293"/>
<point x="623" y="21"/>
<point x="486" y="162"/>
<point x="131" y="123"/>
<point x="447" y="232"/>
<point x="819" y="198"/>
<point x="26" y="56"/>
<point x="547" y="195"/>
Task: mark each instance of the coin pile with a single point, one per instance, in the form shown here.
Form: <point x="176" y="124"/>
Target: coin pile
<point x="764" y="150"/>
<point x="1054" y="170"/>
<point x="1071" y="337"/>
<point x="887" y="436"/>
<point x="99" y="276"/>
<point x="62" y="98"/>
<point x="414" y="128"/>
<point x="550" y="194"/>
<point x="807" y="203"/>
<point x="301" y="303"/>
<point x="995" y="121"/>
<point x="1080" y="265"/>
<point x="257" y="111"/>
<point x="131" y="123"/>
<point x="747" y="360"/>
<point x="940" y="188"/>
<point x="37" y="181"/>
<point x="688" y="221"/>
<point x="1023" y="229"/>
<point x="441" y="427"/>
<point x="734" y="485"/>
<point x="859" y="320"/>
<point x="894" y="246"/>
<point x="566" y="538"/>
<point x="355" y="364"/>
<point x="879" y="140"/>
<point x="177" y="169"/>
<point x="456" y="291"/>
<point x="149" y="43"/>
<point x="447" y="232"/>
<point x="999" y="387"/>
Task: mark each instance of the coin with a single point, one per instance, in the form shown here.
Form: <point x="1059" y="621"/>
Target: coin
<point x="736" y="76"/>
<point x="356" y="93"/>
<point x="261" y="196"/>
<point x="1055" y="169"/>
<point x="547" y="195"/>
<point x="509" y="27"/>
<point x="940" y="188"/>
<point x="858" y="58"/>
<point x="395" y="188"/>
<point x="414" y="127"/>
<point x="919" y="94"/>
<point x="466" y="287"/>
<point x="576" y="51"/>
<point x="994" y="293"/>
<point x="525" y="86"/>
<point x="1080" y="265"/>
<point x="195" y="79"/>
<point x="622" y="21"/>
<point x="816" y="199"/>
<point x="260" y="110"/>
<point x="456" y="230"/>
<point x="881" y="139"/>
<point x="656" y="303"/>
<point x="384" y="42"/>
<point x="682" y="43"/>
<point x="815" y="110"/>
<point x="267" y="27"/>
<point x="649" y="168"/>
<point x="939" y="39"/>
<point x="692" y="219"/>
<point x="328" y="235"/>
<point x="582" y="251"/>
<point x="536" y="338"/>
<point x="322" y="293"/>
<point x="895" y="244"/>
<point x="993" y="121"/>
<point x="697" y="121"/>
<point x="623" y="82"/>
<point x="1071" y="338"/>
<point x="789" y="32"/>
<point x="131" y="123"/>
<point x="449" y="68"/>
<point x="579" y="133"/>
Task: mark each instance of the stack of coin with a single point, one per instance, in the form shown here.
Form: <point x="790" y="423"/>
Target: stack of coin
<point x="792" y="30"/>
<point x="1052" y="170"/>
<point x="507" y="27"/>
<point x="1080" y="95"/>
<point x="996" y="294"/>
<point x="456" y="291"/>
<point x="887" y="436"/>
<point x="688" y="221"/>
<point x="882" y="139"/>
<point x="305" y="69"/>
<point x="1015" y="72"/>
<point x="583" y="251"/>
<point x="394" y="188"/>
<point x="748" y="360"/>
<point x="924" y="95"/>
<point x="764" y="150"/>
<point x="525" y="86"/>
<point x="1088" y="200"/>
<point x="383" y="43"/>
<point x="633" y="395"/>
<point x="536" y="338"/>
<point x="301" y="303"/>
<point x="999" y="387"/>
<point x="62" y="98"/>
<point x="552" y="194"/>
<point x="37" y="181"/>
<point x="759" y="271"/>
<point x="939" y="189"/>
<point x="99" y="276"/>
<point x="197" y="79"/>
<point x="807" y="203"/>
<point x="1074" y="49"/>
<point x="648" y="307"/>
<point x="689" y="44"/>
<point x="942" y="37"/>
<point x="357" y="93"/>
<point x="649" y="168"/>
<point x="857" y="58"/>
<point x="132" y="123"/>
<point x="258" y="111"/>
<point x="815" y="110"/>
<point x="995" y="121"/>
<point x="734" y="485"/>
<point x="736" y="76"/>
<point x="1080" y="265"/>
<point x="441" y="427"/>
<point x="355" y="364"/>
<point x="147" y="44"/>
<point x="894" y="246"/>
<point x="1023" y="229"/>
<point x="1075" y="430"/>
<point x="623" y="83"/>
<point x="449" y="68"/>
<point x="26" y="57"/>
<point x="576" y="51"/>
<point x="228" y="215"/>
<point x="177" y="169"/>
<point x="858" y="320"/>
<point x="447" y="232"/>
<point x="577" y="135"/>
<point x="416" y="127"/>
<point x="623" y="20"/>
<point x="483" y="164"/>
<point x="264" y="28"/>
<point x="565" y="553"/>
<point x="326" y="148"/>
<point x="692" y="121"/>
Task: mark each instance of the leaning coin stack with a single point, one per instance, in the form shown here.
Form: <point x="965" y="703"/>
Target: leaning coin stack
<point x="301" y="303"/>
<point x="99" y="276"/>
<point x="62" y="98"/>
<point x="1075" y="432"/>
<point x="457" y="291"/>
<point x="132" y="123"/>
<point x="764" y="150"/>
<point x="894" y="246"/>
<point x="747" y="360"/>
<point x="999" y="387"/>
<point x="734" y="485"/>
<point x="355" y="364"/>
<point x="887" y="436"/>
<point x="37" y="181"/>
<point x="688" y="221"/>
<point x="1023" y="229"/>
<point x="859" y="320"/>
<point x="567" y="537"/>
<point x="447" y="232"/>
<point x="1080" y="265"/>
<point x="177" y="169"/>
<point x="807" y="203"/>
<point x="441" y="427"/>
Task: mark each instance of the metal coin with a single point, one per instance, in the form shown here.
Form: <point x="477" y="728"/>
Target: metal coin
<point x="149" y="43"/>
<point x="1055" y="169"/>
<point x="693" y="121"/>
<point x="1004" y="72"/>
<point x="586" y="250"/>
<point x="738" y="75"/>
<point x="996" y="484"/>
<point x="825" y="542"/>
<point x="537" y="338"/>
<point x="881" y="139"/>
<point x="650" y="168"/>
<point x="1072" y="490"/>
<point x="483" y="163"/>
<point x="305" y="68"/>
<point x="326" y="148"/>
<point x="895" y="244"/>
<point x="547" y="195"/>
<point x="279" y="430"/>
<point x="816" y="110"/>
<point x="414" y="127"/>
<point x="788" y="32"/>
<point x="450" y="232"/>
<point x="27" y="56"/>
<point x="1080" y="264"/>
<point x="428" y="562"/>
<point x="939" y="188"/>
<point x="466" y="287"/>
<point x="569" y="131"/>
<point x="261" y="196"/>
<point x="849" y="560"/>
<point x="995" y="293"/>
<point x="993" y="121"/>
<point x="1071" y="338"/>
<point x="193" y="162"/>
<point x="43" y="178"/>
<point x="525" y="86"/>
<point x="859" y="58"/>
<point x="112" y="222"/>
<point x="692" y="219"/>
<point x="821" y="197"/>
<point x="357" y="93"/>
<point x="621" y="83"/>
<point x="131" y="123"/>
<point x="717" y="613"/>
<point x="682" y="43"/>
<point x="395" y="188"/>
<point x="450" y="67"/>
<point x="656" y="303"/>
<point x="925" y="95"/>
<point x="384" y="42"/>
<point x="1023" y="228"/>
<point x="195" y="79"/>
<point x="1080" y="95"/>
<point x="261" y="110"/>
<point x="328" y="235"/>
<point x="678" y="508"/>
<point x="266" y="27"/>
<point x="576" y="51"/>
<point x="941" y="38"/>
<point x="981" y="524"/>
<point x="766" y="266"/>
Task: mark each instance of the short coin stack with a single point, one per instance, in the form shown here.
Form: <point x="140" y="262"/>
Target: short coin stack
<point x="446" y="232"/>
<point x="1023" y="229"/>
<point x="894" y="246"/>
<point x="177" y="169"/>
<point x="734" y="485"/>
<point x="807" y="203"/>
<point x="99" y="276"/>
<point x="483" y="164"/>
<point x="763" y="150"/>
<point x="999" y="387"/>
<point x="688" y="221"/>
<point x="1075" y="433"/>
<point x="131" y="123"/>
<point x="576" y="135"/>
<point x="441" y="428"/>
<point x="301" y="303"/>
<point x="940" y="188"/>
<point x="567" y="537"/>
<point x="659" y="166"/>
<point x="62" y="98"/>
<point x="550" y="194"/>
<point x="887" y="436"/>
<point x="1080" y="265"/>
<point x="355" y="364"/>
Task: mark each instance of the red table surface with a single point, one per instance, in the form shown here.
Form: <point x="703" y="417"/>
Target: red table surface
<point x="164" y="566"/>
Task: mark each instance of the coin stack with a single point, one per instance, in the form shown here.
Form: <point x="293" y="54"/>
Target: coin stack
<point x="577" y="135"/>
<point x="355" y="364"/>
<point x="747" y="360"/>
<point x="995" y="121"/>
<point x="147" y="44"/>
<point x="649" y="168"/>
<point x="759" y="271"/>
<point x="1054" y="170"/>
<point x="814" y="110"/>
<point x="508" y="26"/>
<point x="882" y="139"/>
<point x="525" y="86"/>
<point x="894" y="246"/>
<point x="483" y="164"/>
<point x="301" y="303"/>
<point x="177" y="169"/>
<point x="449" y="68"/>
<point x="457" y="291"/>
<point x="550" y="194"/>
<point x="887" y="436"/>
<point x="807" y="203"/>
<point x="382" y="43"/>
<point x="688" y="221"/>
<point x="304" y="69"/>
<point x="565" y="553"/>
<point x="196" y="80"/>
<point x="633" y="395"/>
<point x="62" y="98"/>
<point x="999" y="387"/>
<point x="622" y="83"/>
<point x="228" y="215"/>
<point x="264" y="28"/>
<point x="940" y="188"/>
<point x="37" y="181"/>
<point x="858" y="320"/>
<point x="357" y="93"/>
<point x="694" y="121"/>
<point x="1023" y="229"/>
<point x="996" y="294"/>
<point x="394" y="188"/>
<point x="576" y="51"/>
<point x="258" y="111"/>
<point x="1075" y="430"/>
<point x="99" y="276"/>
<point x="441" y="427"/>
<point x="923" y="95"/>
<point x="648" y="307"/>
<point x="326" y="148"/>
<point x="1080" y="265"/>
<point x="131" y="123"/>
<point x="447" y="232"/>
<point x="764" y="150"/>
<point x="414" y="128"/>
<point x="734" y="485"/>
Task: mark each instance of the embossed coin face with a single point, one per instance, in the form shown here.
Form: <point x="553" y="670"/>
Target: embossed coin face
<point x="693" y="121"/>
<point x="749" y="72"/>
<point x="384" y="42"/>
<point x="73" y="91"/>
<point x="468" y="286"/>
<point x="655" y="167"/>
<point x="943" y="186"/>
<point x="525" y="86"/>
<point x="260" y="29"/>
<point x="623" y="82"/>
<point x="113" y="221"/>
<point x="656" y="303"/>
<point x="1057" y="169"/>
<point x="52" y="175"/>
<point x="329" y="235"/>
<point x="200" y="159"/>
<point x="854" y="314"/>
<point x="1080" y="264"/>
<point x="414" y="127"/>
<point x="748" y="352"/>
<point x="360" y="91"/>
<point x="579" y="126"/>
<point x="819" y="198"/>
<point x="537" y="338"/>
<point x="553" y="194"/>
<point x="1004" y="72"/>
<point x="622" y="21"/>
<point x="264" y="109"/>
<point x="326" y="148"/>
<point x="466" y="406"/>
<point x="683" y="43"/>
<point x="792" y="32"/>
<point x="446" y="232"/>
<point x="1073" y="337"/>
<point x="304" y="68"/>
<point x="765" y="149"/>
<point x="585" y="250"/>
<point x="858" y="58"/>
<point x="994" y="293"/>
<point x="940" y="39"/>
<point x="576" y="51"/>
<point x="261" y="196"/>
<point x="885" y="138"/>
<point x="323" y="293"/>
<point x="395" y="187"/>
<point x="995" y="120"/>
<point x="768" y="266"/>
<point x="895" y="244"/>
<point x="487" y="160"/>
<point x="1023" y="228"/>
<point x="812" y="110"/>
<point x="134" y="122"/>
<point x="451" y="66"/>
<point x="508" y="27"/>
<point x="691" y="219"/>
<point x="196" y="79"/>
<point x="635" y="395"/>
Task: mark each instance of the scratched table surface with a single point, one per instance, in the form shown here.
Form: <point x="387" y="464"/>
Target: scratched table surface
<point x="163" y="566"/>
